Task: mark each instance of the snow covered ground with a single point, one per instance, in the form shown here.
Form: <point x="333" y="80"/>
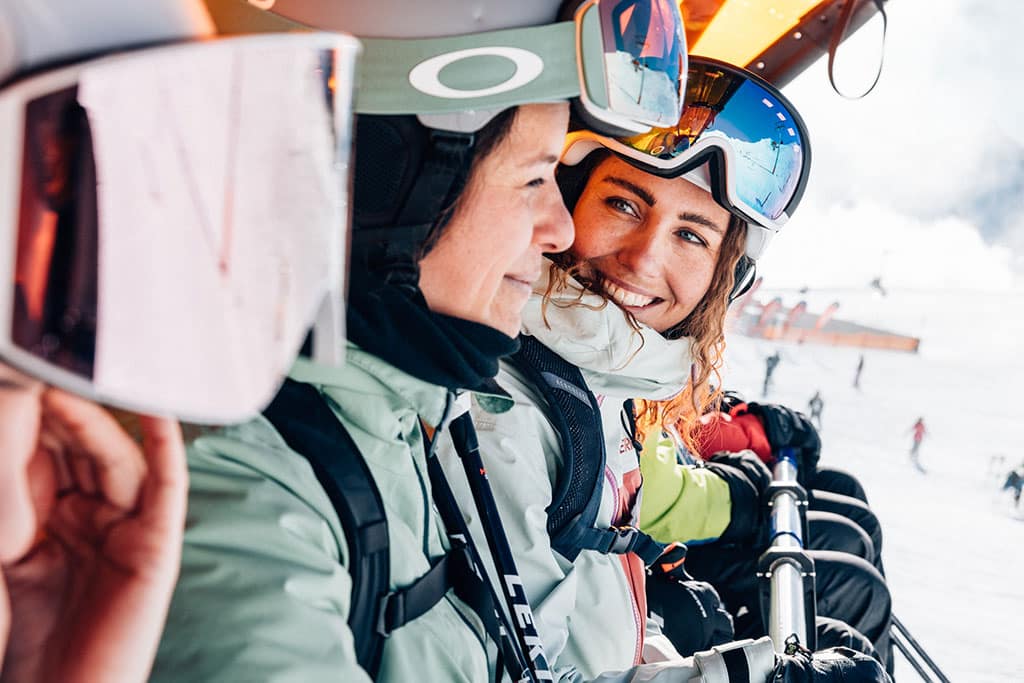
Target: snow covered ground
<point x="954" y="546"/>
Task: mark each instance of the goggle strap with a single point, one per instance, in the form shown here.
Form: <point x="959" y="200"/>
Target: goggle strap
<point x="444" y="171"/>
<point x="391" y="251"/>
<point x="385" y="78"/>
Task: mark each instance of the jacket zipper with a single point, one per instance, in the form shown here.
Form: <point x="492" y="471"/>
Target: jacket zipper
<point x="634" y="605"/>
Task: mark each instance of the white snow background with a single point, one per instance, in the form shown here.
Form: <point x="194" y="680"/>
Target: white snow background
<point x="954" y="545"/>
<point x="921" y="184"/>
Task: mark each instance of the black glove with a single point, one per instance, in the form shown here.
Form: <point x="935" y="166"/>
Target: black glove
<point x="788" y="428"/>
<point x="756" y="472"/>
<point x="747" y="478"/>
<point x="833" y="665"/>
<point x="690" y="612"/>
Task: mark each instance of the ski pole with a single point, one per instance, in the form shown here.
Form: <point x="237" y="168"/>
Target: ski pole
<point x="899" y="627"/>
<point x="468" y="448"/>
<point x="482" y="598"/>
<point x="908" y="654"/>
<point x="788" y="569"/>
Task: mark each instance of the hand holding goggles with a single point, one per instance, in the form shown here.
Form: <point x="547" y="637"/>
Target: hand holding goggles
<point x="173" y="219"/>
<point x="754" y="140"/>
<point x="624" y="61"/>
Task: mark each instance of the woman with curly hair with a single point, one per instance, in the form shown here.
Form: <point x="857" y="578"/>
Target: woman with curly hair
<point x="637" y="307"/>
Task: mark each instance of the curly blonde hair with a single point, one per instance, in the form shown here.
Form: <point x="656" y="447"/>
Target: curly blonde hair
<point x="704" y="326"/>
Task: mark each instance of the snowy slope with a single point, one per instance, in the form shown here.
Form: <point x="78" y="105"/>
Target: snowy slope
<point x="954" y="547"/>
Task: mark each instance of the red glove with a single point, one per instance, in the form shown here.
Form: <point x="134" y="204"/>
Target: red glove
<point x="733" y="431"/>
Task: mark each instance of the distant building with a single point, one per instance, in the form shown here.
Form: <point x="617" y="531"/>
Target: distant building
<point x="802" y="326"/>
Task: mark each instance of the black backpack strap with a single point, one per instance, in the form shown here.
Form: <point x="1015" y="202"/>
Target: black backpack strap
<point x="577" y="497"/>
<point x="399" y="607"/>
<point x="621" y="540"/>
<point x="305" y="421"/>
<point x="309" y="427"/>
<point x="577" y="419"/>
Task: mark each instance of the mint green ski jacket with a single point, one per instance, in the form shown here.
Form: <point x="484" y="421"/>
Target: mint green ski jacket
<point x="264" y="594"/>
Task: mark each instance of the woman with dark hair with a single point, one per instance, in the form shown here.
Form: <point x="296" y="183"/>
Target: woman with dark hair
<point x="264" y="588"/>
<point x="449" y="230"/>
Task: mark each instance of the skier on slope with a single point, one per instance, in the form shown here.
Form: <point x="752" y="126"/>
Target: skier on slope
<point x="1015" y="482"/>
<point x="770" y="363"/>
<point x="857" y="374"/>
<point x="816" y="405"/>
<point x="919" y="433"/>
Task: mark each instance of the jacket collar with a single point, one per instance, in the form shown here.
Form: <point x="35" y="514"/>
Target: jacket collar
<point x="595" y="335"/>
<point x="365" y="373"/>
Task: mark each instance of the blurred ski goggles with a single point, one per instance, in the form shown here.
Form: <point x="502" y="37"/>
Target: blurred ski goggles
<point x="752" y="138"/>
<point x="623" y="61"/>
<point x="174" y="220"/>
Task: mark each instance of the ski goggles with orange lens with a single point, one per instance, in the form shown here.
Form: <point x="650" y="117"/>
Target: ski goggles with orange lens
<point x="753" y="139"/>
<point x="622" y="61"/>
<point x="174" y="220"/>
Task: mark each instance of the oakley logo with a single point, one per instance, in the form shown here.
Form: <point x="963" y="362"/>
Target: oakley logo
<point x="425" y="75"/>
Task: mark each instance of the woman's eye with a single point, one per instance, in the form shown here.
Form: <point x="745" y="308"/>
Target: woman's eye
<point x="536" y="182"/>
<point x="622" y="205"/>
<point x="690" y="236"/>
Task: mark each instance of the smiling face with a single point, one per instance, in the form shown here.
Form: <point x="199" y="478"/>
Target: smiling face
<point x="511" y="213"/>
<point x="651" y="244"/>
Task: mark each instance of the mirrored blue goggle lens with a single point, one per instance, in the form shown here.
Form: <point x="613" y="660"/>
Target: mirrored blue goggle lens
<point x="766" y="141"/>
<point x="768" y="151"/>
<point x="644" y="49"/>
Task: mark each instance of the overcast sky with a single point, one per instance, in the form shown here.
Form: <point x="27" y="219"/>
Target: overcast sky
<point x="922" y="181"/>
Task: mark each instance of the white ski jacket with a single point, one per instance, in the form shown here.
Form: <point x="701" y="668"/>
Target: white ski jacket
<point x="591" y="614"/>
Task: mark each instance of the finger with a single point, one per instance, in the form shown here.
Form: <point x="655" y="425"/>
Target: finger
<point x="115" y="461"/>
<point x="165" y="491"/>
<point x="74" y="469"/>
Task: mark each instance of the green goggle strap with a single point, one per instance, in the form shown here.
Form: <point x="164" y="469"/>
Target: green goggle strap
<point x="490" y="70"/>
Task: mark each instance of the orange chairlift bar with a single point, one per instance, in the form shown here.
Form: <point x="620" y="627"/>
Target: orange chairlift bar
<point x="777" y="39"/>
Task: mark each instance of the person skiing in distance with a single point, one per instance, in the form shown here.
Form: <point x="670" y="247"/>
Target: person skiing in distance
<point x="816" y="405"/>
<point x="860" y="369"/>
<point x="919" y="432"/>
<point x="1015" y="482"/>
<point x="770" y="363"/>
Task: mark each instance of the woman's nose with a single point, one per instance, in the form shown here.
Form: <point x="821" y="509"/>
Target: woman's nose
<point x="553" y="229"/>
<point x="641" y="252"/>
